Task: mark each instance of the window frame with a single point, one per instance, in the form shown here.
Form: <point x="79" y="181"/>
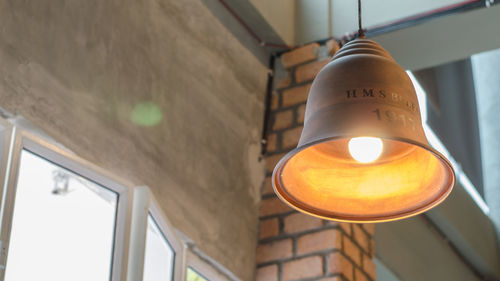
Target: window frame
<point x="201" y="266"/>
<point x="196" y="271"/>
<point x="144" y="205"/>
<point x="23" y="140"/>
<point x="134" y="205"/>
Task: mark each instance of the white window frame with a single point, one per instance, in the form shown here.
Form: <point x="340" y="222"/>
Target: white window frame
<point x="145" y="204"/>
<point x="201" y="274"/>
<point x="25" y="140"/>
<point x="133" y="207"/>
<point x="205" y="266"/>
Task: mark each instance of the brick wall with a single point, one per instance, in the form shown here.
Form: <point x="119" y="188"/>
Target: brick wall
<point x="294" y="246"/>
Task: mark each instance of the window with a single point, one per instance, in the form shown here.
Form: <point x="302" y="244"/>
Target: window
<point x="64" y="218"/>
<point x="201" y="267"/>
<point x="192" y="275"/>
<point x="61" y="221"/>
<point x="156" y="253"/>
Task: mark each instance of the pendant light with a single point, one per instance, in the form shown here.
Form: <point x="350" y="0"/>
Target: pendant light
<point x="363" y="155"/>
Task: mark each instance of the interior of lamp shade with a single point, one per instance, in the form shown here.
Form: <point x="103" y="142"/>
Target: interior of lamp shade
<point x="324" y="180"/>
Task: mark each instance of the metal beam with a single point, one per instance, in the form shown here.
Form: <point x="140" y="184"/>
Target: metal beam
<point x="252" y="18"/>
<point x="445" y="39"/>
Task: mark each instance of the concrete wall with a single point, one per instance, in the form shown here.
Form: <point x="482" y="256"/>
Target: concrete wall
<point x="280" y="14"/>
<point x="409" y="245"/>
<point x="414" y="253"/>
<point x="83" y="71"/>
<point x="311" y="21"/>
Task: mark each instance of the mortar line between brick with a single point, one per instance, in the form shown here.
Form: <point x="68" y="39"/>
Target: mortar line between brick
<point x="280" y="271"/>
<point x="326" y="269"/>
<point x="291" y="86"/>
<point x="298" y="234"/>
<point x="294" y="258"/>
<point x="354" y="265"/>
<point x="357" y="244"/>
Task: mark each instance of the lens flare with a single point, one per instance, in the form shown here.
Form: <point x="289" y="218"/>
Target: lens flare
<point x="365" y="149"/>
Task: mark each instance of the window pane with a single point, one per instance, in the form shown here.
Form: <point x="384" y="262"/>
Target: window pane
<point x="63" y="225"/>
<point x="194" y="276"/>
<point x="159" y="256"/>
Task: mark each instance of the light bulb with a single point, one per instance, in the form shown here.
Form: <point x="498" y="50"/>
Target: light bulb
<point x="365" y="149"/>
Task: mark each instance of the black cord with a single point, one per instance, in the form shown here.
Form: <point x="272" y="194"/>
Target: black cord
<point x="361" y="32"/>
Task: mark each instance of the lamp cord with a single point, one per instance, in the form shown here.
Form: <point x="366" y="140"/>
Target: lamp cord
<point x="361" y="33"/>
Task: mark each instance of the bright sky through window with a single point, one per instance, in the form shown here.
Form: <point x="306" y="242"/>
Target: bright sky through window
<point x="63" y="225"/>
<point x="159" y="256"/>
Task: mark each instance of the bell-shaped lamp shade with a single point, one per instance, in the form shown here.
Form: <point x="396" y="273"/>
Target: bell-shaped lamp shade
<point x="363" y="155"/>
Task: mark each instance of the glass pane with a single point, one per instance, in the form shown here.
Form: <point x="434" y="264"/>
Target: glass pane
<point x="194" y="276"/>
<point x="159" y="256"/>
<point x="63" y="225"/>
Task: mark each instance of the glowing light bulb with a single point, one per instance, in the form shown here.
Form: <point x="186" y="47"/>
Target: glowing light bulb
<point x="365" y="149"/>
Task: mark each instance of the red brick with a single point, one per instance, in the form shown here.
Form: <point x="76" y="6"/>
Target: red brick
<point x="285" y="82"/>
<point x="272" y="160"/>
<point x="308" y="71"/>
<point x="274" y="251"/>
<point x="332" y="46"/>
<point x="299" y="222"/>
<point x="268" y="186"/>
<point x="359" y="276"/>
<point x="267" y="273"/>
<point x="351" y="250"/>
<point x="361" y="238"/>
<point x="283" y="120"/>
<point x="369" y="227"/>
<point x="369" y="267"/>
<point x="301" y="112"/>
<point x="338" y="264"/>
<point x="296" y="95"/>
<point x="303" y="268"/>
<point x="291" y="137"/>
<point x="319" y="241"/>
<point x="300" y="55"/>
<point x="269" y="228"/>
<point x="274" y="101"/>
<point x="273" y="206"/>
<point x="272" y="140"/>
<point x="346" y="227"/>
